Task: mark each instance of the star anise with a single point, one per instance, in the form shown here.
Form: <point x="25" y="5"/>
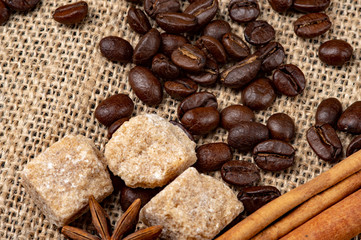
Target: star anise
<point x="126" y="223"/>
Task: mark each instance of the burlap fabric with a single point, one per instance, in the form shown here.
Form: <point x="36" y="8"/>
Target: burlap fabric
<point x="52" y="77"/>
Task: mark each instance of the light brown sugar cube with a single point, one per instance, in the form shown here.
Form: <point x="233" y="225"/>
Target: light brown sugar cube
<point x="61" y="179"/>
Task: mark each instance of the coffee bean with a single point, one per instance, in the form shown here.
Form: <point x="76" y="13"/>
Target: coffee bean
<point x="138" y="21"/>
<point x="171" y="42"/>
<point x="311" y="6"/>
<point x="145" y="85"/>
<point x="116" y="49"/>
<point x="21" y="5"/>
<point x="259" y="94"/>
<point x="243" y="10"/>
<point x="183" y="128"/>
<point x="154" y="7"/>
<point x="164" y="68"/>
<point x="201" y="120"/>
<point x="350" y="119"/>
<point x="189" y="58"/>
<point x="212" y="48"/>
<point x="354" y="146"/>
<point x="176" y="22"/>
<point x="281" y="127"/>
<point x="242" y="73"/>
<point x="114" y="108"/>
<point x="274" y="155"/>
<point x="129" y="195"/>
<point x="329" y="111"/>
<point x="4" y="13"/>
<point x="259" y="33"/>
<point x="180" y="88"/>
<point x="324" y="141"/>
<point x="235" y="46"/>
<point x="289" y="80"/>
<point x="240" y="173"/>
<point x="254" y="198"/>
<point x="203" y="10"/>
<point x="217" y="28"/>
<point x="147" y="47"/>
<point x="335" y="52"/>
<point x="71" y="13"/>
<point x="280" y="6"/>
<point x="246" y="135"/>
<point x="114" y="127"/>
<point x="271" y="55"/>
<point x="232" y="115"/>
<point x="201" y="99"/>
<point x="211" y="157"/>
<point x="208" y="76"/>
<point x="312" y="25"/>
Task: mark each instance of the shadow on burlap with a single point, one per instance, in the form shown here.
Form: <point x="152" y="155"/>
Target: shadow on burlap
<point x="52" y="77"/>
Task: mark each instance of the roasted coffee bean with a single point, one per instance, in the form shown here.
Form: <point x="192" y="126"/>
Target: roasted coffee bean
<point x="154" y="7"/>
<point x="312" y="25"/>
<point x="216" y="29"/>
<point x="274" y="155"/>
<point x="183" y="128"/>
<point x="147" y="47"/>
<point x="203" y="10"/>
<point x="208" y="76"/>
<point x="324" y="141"/>
<point x="71" y="13"/>
<point x="211" y="157"/>
<point x="163" y="67"/>
<point x="289" y="80"/>
<point x="235" y="46"/>
<point x="271" y="55"/>
<point x="171" y="42"/>
<point x="254" y="198"/>
<point x="246" y="135"/>
<point x="145" y="85"/>
<point x="281" y="127"/>
<point x="21" y="5"/>
<point x="259" y="33"/>
<point x="4" y="13"/>
<point x="354" y="146"/>
<point x="114" y="127"/>
<point x="350" y="119"/>
<point x="259" y="94"/>
<point x="242" y="73"/>
<point x="243" y="10"/>
<point x="240" y="173"/>
<point x="329" y="111"/>
<point x="180" y="88"/>
<point x="232" y="115"/>
<point x="189" y="58"/>
<point x="201" y="99"/>
<point x="116" y="49"/>
<point x="200" y="121"/>
<point x="335" y="52"/>
<point x="138" y="21"/>
<point x="176" y="22"/>
<point x="129" y="195"/>
<point x="212" y="48"/>
<point x="311" y="6"/>
<point x="280" y="5"/>
<point x="114" y="108"/>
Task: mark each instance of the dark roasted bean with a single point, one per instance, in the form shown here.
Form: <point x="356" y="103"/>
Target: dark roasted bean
<point x="183" y="128"/>
<point x="200" y="121"/>
<point x="4" y="13"/>
<point x="208" y="76"/>
<point x="271" y="55"/>
<point x="171" y="42"/>
<point x="164" y="68"/>
<point x="189" y="58"/>
<point x="129" y="195"/>
<point x="203" y="10"/>
<point x="71" y="13"/>
<point x="211" y="157"/>
<point x="246" y="135"/>
<point x="232" y="115"/>
<point x="176" y="22"/>
<point x="240" y="173"/>
<point x="312" y="25"/>
<point x="154" y="7"/>
<point x="114" y="127"/>
<point x="212" y="48"/>
<point x="180" y="88"/>
<point x="311" y="5"/>
<point x="243" y="10"/>
<point x="138" y="21"/>
<point x="116" y="49"/>
<point x="281" y="127"/>
<point x="350" y="119"/>
<point x="217" y="28"/>
<point x="354" y="146"/>
<point x="335" y="52"/>
<point x="280" y="5"/>
<point x="147" y="47"/>
<point x="259" y="33"/>
<point x="201" y="99"/>
<point x="259" y="94"/>
<point x="329" y="111"/>
<point x="289" y="80"/>
<point x="21" y="5"/>
<point x="235" y="46"/>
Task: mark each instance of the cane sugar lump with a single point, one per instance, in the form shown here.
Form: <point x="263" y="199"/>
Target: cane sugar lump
<point x="148" y="152"/>
<point x="61" y="179"/>
<point x="193" y="206"/>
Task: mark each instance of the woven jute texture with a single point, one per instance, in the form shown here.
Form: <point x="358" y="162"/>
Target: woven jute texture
<point x="52" y="77"/>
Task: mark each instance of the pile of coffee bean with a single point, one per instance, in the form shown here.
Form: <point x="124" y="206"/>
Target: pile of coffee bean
<point x="9" y="6"/>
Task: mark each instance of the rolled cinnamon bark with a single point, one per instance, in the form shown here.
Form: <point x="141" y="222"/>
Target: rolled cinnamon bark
<point x="311" y="208"/>
<point x="267" y="214"/>
<point x="340" y="221"/>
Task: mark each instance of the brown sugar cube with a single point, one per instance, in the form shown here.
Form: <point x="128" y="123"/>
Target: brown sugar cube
<point x="61" y="179"/>
<point x="193" y="206"/>
<point x="148" y="151"/>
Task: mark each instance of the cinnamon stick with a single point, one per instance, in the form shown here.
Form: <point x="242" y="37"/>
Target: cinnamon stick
<point x="340" y="221"/>
<point x="264" y="216"/>
<point x="311" y="208"/>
